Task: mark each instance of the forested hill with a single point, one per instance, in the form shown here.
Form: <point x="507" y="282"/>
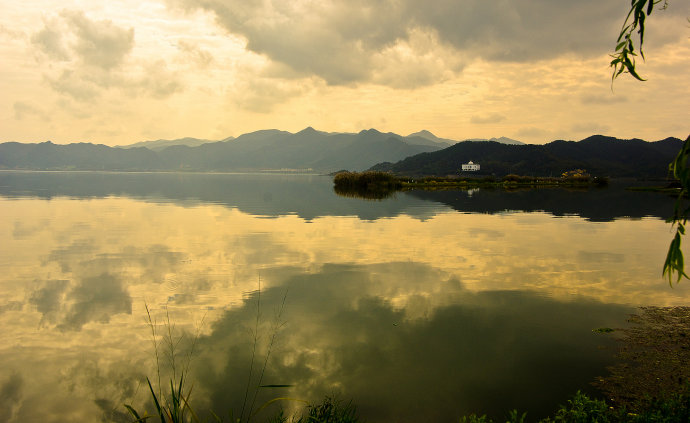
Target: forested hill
<point x="599" y="155"/>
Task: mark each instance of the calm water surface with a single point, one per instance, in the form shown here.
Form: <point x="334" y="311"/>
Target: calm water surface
<point x="422" y="307"/>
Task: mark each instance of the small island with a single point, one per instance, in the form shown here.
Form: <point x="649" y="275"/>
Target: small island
<point x="378" y="185"/>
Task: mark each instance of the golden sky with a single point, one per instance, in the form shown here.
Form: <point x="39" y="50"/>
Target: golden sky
<point x="125" y="71"/>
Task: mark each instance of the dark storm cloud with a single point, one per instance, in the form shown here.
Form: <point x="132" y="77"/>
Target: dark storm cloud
<point x="342" y="41"/>
<point x="522" y="30"/>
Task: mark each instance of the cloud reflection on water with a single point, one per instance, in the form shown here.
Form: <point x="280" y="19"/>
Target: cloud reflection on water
<point x="431" y="360"/>
<point x="372" y="304"/>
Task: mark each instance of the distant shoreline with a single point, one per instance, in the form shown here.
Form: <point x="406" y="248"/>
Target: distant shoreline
<point x="172" y="172"/>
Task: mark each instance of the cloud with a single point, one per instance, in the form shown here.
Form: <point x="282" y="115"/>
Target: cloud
<point x="48" y="299"/>
<point x="11" y="393"/>
<point x="23" y="110"/>
<point x="72" y="36"/>
<point x="602" y="99"/>
<point x="96" y="299"/>
<point x="11" y="33"/>
<point x="90" y="57"/>
<point x="345" y="42"/>
<point x="158" y="81"/>
<point x="50" y="41"/>
<point x="88" y="53"/>
<point x="76" y="84"/>
<point x="532" y="131"/>
<point x="11" y="306"/>
<point x="107" y="382"/>
<point x="91" y="299"/>
<point x="198" y="55"/>
<point x="590" y="128"/>
<point x="600" y="257"/>
<point x="417" y="61"/>
<point x="95" y="288"/>
<point x="99" y="43"/>
<point x="515" y="31"/>
<point x="487" y="119"/>
<point x="346" y="334"/>
<point x="261" y="95"/>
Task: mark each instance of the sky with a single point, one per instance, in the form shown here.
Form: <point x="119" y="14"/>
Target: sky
<point x="124" y="71"/>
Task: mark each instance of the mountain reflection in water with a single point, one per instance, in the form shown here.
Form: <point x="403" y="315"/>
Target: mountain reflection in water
<point x="311" y="196"/>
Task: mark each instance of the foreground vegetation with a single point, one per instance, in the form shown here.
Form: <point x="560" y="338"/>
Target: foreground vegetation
<point x="580" y="409"/>
<point x="583" y="409"/>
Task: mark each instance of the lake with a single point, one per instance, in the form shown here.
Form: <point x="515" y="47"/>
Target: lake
<point x="425" y="306"/>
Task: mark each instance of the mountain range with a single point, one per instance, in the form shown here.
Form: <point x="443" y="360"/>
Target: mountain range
<point x="261" y="150"/>
<point x="420" y="153"/>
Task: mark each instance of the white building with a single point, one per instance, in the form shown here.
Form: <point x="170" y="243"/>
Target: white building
<point x="470" y="167"/>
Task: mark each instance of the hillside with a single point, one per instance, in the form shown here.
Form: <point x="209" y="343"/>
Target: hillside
<point x="598" y="154"/>
<point x="80" y="156"/>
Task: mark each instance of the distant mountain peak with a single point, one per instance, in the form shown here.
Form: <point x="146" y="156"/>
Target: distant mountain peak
<point x="369" y="131"/>
<point x="506" y="140"/>
<point x="427" y="135"/>
<point x="424" y="134"/>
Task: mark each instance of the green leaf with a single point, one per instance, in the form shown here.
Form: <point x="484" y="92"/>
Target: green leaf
<point x="155" y="401"/>
<point x="134" y="413"/>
